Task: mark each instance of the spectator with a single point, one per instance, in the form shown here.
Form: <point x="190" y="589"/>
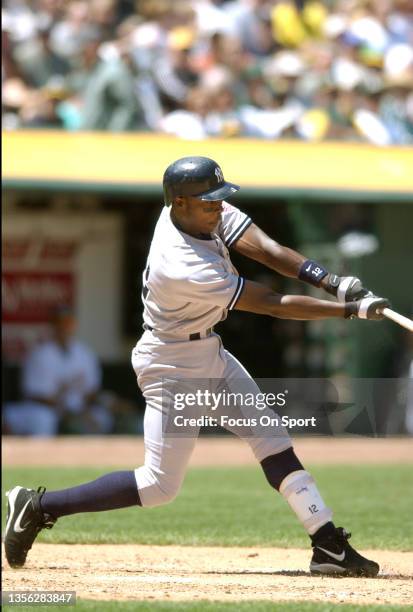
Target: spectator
<point x="133" y="65"/>
<point x="38" y="62"/>
<point x="174" y="73"/>
<point x="109" y="98"/>
<point x="224" y="119"/>
<point x="61" y="385"/>
<point x="68" y="36"/>
<point x="190" y="122"/>
<point x="251" y="22"/>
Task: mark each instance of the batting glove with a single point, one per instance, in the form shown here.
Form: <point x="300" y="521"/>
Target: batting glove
<point x="346" y="288"/>
<point x="370" y="307"/>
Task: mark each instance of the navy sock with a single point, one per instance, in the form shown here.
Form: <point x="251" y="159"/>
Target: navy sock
<point x="277" y="467"/>
<point x="325" y="531"/>
<point x="109" y="492"/>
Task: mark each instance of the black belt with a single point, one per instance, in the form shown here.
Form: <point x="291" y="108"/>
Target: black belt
<point x="195" y="336"/>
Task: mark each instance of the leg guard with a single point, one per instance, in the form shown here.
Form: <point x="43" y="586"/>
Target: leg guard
<point x="301" y="493"/>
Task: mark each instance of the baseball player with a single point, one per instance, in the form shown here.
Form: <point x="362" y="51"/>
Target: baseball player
<point x="189" y="285"/>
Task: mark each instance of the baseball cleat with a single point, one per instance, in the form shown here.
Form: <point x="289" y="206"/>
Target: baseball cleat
<point x="25" y="519"/>
<point x="333" y="554"/>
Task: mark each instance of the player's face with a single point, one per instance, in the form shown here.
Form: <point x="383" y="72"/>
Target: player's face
<point x="200" y="217"/>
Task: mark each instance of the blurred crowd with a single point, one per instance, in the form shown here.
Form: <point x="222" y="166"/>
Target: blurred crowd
<point x="313" y="70"/>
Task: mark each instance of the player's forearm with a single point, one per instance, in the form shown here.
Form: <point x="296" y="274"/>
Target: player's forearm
<point x="260" y="299"/>
<point x="284" y="260"/>
<point x="256" y="245"/>
<point x="304" y="308"/>
<point x="281" y="259"/>
<point x="298" y="307"/>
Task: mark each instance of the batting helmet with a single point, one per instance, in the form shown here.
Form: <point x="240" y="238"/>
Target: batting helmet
<point x="199" y="177"/>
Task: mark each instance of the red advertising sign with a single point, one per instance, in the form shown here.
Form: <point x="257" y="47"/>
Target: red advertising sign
<point x="38" y="275"/>
<point x="29" y="297"/>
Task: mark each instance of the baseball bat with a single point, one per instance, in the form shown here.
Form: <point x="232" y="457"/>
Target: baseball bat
<point x="398" y="318"/>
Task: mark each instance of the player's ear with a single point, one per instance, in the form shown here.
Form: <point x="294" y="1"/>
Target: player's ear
<point x="179" y="201"/>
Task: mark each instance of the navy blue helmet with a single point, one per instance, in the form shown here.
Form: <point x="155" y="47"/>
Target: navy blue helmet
<point x="199" y="177"/>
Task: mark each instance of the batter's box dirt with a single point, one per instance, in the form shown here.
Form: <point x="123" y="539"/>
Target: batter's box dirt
<point x="122" y="572"/>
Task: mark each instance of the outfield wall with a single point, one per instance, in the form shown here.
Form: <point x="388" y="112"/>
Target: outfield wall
<point x="135" y="163"/>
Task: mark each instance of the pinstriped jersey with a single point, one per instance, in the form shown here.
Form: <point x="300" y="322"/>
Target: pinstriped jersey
<point x="189" y="283"/>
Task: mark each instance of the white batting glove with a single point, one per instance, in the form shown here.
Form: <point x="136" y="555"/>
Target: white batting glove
<point x="346" y="288"/>
<point x="370" y="307"/>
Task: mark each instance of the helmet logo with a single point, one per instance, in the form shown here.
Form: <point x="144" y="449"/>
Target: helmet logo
<point x="219" y="175"/>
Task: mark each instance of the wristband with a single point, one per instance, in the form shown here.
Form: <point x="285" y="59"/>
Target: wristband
<point x="312" y="272"/>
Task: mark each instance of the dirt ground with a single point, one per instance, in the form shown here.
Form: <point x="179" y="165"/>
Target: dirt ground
<point x="125" y="451"/>
<point x="189" y="573"/>
<point x="171" y="573"/>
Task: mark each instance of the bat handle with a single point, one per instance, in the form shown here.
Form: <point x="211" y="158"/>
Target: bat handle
<point x="398" y="318"/>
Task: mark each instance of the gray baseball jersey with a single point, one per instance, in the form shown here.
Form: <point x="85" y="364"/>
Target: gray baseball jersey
<point x="189" y="284"/>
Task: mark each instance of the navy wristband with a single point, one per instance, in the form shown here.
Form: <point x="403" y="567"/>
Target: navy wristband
<point x="312" y="272"/>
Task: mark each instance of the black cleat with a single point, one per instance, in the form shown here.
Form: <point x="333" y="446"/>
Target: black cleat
<point x="25" y="519"/>
<point x="332" y="554"/>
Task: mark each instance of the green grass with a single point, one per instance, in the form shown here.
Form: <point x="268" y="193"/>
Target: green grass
<point x="212" y="606"/>
<point x="236" y="507"/>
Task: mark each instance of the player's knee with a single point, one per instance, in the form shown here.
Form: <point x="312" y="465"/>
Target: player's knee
<point x="156" y="489"/>
<point x="161" y="493"/>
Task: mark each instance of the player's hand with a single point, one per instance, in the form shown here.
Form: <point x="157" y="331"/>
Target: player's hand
<point x="346" y="288"/>
<point x="370" y="307"/>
